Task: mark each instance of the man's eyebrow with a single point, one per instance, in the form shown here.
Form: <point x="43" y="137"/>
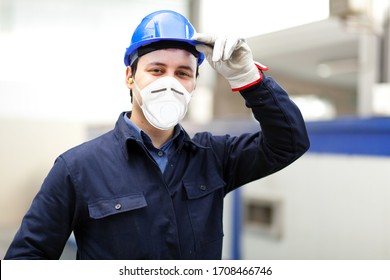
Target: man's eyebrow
<point x="184" y="67"/>
<point x="156" y="64"/>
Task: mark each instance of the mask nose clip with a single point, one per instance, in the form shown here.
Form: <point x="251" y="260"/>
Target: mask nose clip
<point x="158" y="90"/>
<point x="178" y="92"/>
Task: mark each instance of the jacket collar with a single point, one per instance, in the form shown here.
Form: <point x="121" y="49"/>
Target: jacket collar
<point x="125" y="134"/>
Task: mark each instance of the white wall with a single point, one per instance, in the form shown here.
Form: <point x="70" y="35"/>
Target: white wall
<point x="333" y="207"/>
<point x="28" y="150"/>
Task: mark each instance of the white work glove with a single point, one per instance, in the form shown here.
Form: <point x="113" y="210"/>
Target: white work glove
<point x="232" y="58"/>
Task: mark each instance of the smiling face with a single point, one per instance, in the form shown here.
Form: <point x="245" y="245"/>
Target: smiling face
<point x="176" y="63"/>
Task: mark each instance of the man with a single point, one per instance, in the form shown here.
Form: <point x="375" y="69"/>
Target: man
<point x="146" y="190"/>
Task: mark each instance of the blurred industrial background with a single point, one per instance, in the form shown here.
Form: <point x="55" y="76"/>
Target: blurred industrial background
<point x="62" y="82"/>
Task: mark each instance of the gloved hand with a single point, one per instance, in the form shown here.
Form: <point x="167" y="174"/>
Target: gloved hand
<point x="232" y="58"/>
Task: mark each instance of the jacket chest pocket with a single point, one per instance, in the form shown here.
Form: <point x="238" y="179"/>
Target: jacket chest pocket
<point x="205" y="207"/>
<point x="111" y="206"/>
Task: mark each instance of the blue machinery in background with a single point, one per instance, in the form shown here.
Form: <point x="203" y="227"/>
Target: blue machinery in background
<point x="352" y="136"/>
<point x="236" y="225"/>
<point x="357" y="136"/>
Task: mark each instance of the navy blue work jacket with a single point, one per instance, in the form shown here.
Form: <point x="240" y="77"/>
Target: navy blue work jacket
<point x="111" y="193"/>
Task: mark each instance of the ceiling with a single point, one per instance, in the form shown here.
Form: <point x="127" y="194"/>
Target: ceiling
<point x="297" y="52"/>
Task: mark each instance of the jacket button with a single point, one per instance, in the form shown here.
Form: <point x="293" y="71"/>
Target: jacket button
<point x="118" y="206"/>
<point x="203" y="187"/>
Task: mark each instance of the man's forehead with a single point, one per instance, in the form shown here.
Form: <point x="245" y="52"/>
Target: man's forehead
<point x="164" y="56"/>
<point x="164" y="44"/>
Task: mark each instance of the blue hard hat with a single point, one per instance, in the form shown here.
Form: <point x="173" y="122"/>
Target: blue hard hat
<point x="164" y="25"/>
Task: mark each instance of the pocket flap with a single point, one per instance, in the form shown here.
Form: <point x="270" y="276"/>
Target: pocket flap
<point x="198" y="189"/>
<point x="107" y="207"/>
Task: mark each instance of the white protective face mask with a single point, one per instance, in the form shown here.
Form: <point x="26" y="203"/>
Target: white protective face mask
<point x="164" y="102"/>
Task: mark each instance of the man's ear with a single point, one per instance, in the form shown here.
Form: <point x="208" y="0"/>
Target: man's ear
<point x="129" y="78"/>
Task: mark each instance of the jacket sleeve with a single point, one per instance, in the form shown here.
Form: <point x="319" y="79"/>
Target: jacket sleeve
<point x="281" y="139"/>
<point x="47" y="225"/>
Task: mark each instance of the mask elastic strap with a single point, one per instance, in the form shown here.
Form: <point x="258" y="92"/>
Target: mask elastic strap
<point x="138" y="90"/>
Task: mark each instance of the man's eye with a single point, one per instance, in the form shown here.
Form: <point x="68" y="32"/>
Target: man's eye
<point x="183" y="74"/>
